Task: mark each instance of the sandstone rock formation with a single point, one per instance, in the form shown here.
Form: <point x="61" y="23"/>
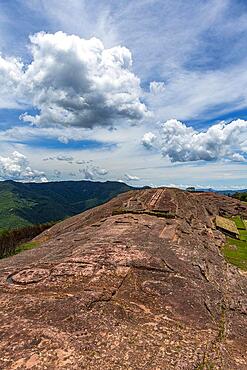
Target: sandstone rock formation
<point x="138" y="283"/>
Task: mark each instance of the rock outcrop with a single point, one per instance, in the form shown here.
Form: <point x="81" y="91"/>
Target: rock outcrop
<point x="138" y="283"/>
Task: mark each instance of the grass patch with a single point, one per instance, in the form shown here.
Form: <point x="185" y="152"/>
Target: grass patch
<point x="239" y="222"/>
<point x="243" y="235"/>
<point x="235" y="252"/>
<point x="26" y="247"/>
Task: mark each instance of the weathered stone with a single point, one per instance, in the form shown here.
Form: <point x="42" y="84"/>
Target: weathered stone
<point x="129" y="291"/>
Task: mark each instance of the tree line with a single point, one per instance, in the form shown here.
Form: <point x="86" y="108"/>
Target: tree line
<point x="241" y="196"/>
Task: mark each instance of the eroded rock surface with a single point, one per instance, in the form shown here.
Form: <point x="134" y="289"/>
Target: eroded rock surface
<point x="131" y="290"/>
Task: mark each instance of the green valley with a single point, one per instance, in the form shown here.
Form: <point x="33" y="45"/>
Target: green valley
<point x="23" y="204"/>
<point x="235" y="250"/>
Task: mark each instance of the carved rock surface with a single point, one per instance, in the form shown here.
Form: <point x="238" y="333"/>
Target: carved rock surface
<point x="131" y="289"/>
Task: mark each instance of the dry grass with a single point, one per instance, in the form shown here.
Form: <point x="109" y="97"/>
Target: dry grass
<point x="226" y="224"/>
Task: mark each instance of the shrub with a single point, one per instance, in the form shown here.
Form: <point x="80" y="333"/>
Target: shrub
<point x="10" y="240"/>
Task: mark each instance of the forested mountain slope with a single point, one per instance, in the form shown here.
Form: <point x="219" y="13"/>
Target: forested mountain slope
<point x="23" y="204"/>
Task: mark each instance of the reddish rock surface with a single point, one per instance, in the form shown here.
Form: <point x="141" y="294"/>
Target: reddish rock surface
<point x="121" y="287"/>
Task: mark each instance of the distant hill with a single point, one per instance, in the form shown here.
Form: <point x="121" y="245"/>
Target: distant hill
<point x="222" y="192"/>
<point x="241" y="196"/>
<point x="23" y="204"/>
<point x="231" y="192"/>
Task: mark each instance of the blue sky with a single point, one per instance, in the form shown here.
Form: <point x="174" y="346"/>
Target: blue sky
<point x="147" y="92"/>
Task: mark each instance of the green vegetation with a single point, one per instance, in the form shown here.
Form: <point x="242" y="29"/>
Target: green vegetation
<point x="25" y="247"/>
<point x="23" y="204"/>
<point x="17" y="240"/>
<point x="10" y="203"/>
<point x="239" y="222"/>
<point x="235" y="252"/>
<point x="228" y="226"/>
<point x="241" y="196"/>
<point x="243" y="235"/>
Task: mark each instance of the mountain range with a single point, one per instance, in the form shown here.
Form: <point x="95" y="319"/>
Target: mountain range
<point x="23" y="204"/>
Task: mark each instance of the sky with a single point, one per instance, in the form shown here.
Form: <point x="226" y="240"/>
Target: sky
<point x="148" y="92"/>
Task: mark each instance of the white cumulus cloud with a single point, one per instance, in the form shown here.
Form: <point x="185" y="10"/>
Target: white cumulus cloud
<point x="181" y="143"/>
<point x="92" y="172"/>
<point x="88" y="174"/>
<point x="65" y="158"/>
<point x="16" y="167"/>
<point x="149" y="140"/>
<point x="74" y="82"/>
<point x="100" y="171"/>
<point x="131" y="177"/>
<point x="61" y="158"/>
<point x="11" y="73"/>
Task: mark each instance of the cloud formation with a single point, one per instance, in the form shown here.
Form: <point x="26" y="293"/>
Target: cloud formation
<point x="131" y="177"/>
<point x="61" y="158"/>
<point x="181" y="143"/>
<point x="149" y="140"/>
<point x="65" y="158"/>
<point x="92" y="172"/>
<point x="203" y="62"/>
<point x="10" y="77"/>
<point x="157" y="88"/>
<point x="75" y="82"/>
<point x="16" y="167"/>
